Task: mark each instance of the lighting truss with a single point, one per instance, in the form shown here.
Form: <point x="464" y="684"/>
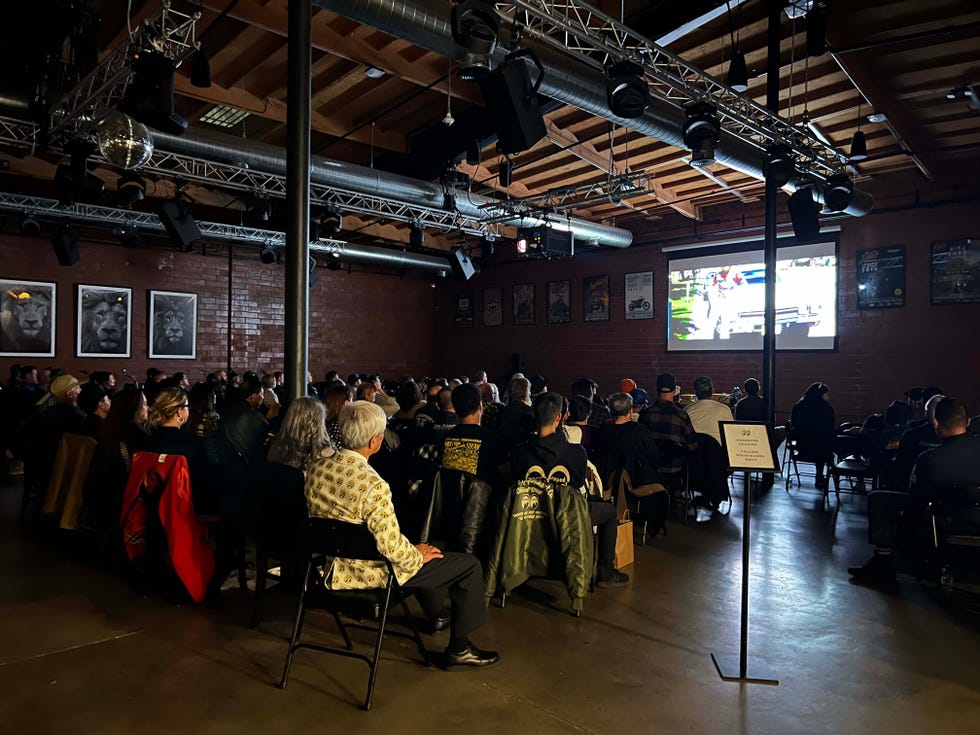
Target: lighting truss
<point x="575" y="28"/>
<point x="167" y="32"/>
<point x="610" y="189"/>
<point x="183" y="168"/>
<point x="147" y="221"/>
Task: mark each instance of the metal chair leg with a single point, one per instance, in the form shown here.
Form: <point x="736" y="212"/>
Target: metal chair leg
<point x="297" y="628"/>
<point x="261" y="571"/>
<point x="376" y="660"/>
<point x="343" y="631"/>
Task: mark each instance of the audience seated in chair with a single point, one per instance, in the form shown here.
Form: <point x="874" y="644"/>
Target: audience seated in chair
<point x="668" y="422"/>
<point x="954" y="463"/>
<point x="430" y="573"/>
<point x="814" y="429"/>
<point x="705" y="412"/>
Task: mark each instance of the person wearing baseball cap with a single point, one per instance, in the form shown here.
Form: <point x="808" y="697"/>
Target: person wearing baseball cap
<point x="668" y="422"/>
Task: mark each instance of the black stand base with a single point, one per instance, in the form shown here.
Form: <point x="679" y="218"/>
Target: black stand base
<point x="757" y="671"/>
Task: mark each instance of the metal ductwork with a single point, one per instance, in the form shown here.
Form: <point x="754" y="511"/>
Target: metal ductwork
<point x="270" y="159"/>
<point x="425" y="23"/>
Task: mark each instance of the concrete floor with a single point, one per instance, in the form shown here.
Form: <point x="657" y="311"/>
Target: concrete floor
<point x="80" y="653"/>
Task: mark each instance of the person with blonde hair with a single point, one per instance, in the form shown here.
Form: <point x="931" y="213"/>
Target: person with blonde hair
<point x="345" y="487"/>
<point x="303" y="438"/>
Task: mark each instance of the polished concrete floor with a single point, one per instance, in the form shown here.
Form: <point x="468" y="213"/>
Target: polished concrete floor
<point x="80" y="653"/>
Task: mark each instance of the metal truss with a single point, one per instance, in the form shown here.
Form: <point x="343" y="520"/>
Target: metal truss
<point x="575" y="28"/>
<point x="182" y="168"/>
<point x="147" y="221"/>
<point x="612" y="189"/>
<point x="166" y="32"/>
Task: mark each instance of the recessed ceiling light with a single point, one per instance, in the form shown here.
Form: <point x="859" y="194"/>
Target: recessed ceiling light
<point x="373" y="72"/>
<point x="877" y="117"/>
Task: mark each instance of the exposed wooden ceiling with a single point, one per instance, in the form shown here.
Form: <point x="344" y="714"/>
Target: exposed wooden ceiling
<point x="363" y="120"/>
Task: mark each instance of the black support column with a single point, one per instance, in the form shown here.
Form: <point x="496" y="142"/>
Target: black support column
<point x="297" y="296"/>
<point x="769" y="338"/>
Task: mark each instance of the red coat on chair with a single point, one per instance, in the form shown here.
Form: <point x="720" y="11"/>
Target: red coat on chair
<point x="187" y="538"/>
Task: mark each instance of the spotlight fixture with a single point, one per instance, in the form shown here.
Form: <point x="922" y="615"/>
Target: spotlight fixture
<point x="475" y="26"/>
<point x="373" y="72"/>
<point x="738" y="73"/>
<point x="29" y="226"/>
<point x="416" y="236"/>
<point x="859" y="147"/>
<point x="334" y="263"/>
<point x="626" y="90"/>
<point x="330" y="222"/>
<point x="702" y="133"/>
<point x="130" y="188"/>
<point x="268" y="254"/>
<point x="201" y="69"/>
<point x="129" y="235"/>
<point x="838" y="192"/>
<point x="780" y="164"/>
<point x="260" y="208"/>
<point x="486" y="246"/>
<point x="473" y="153"/>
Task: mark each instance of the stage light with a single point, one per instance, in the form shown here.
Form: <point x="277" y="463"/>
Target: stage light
<point x="738" y="73"/>
<point x="268" y="254"/>
<point x="702" y="133"/>
<point x="129" y="236"/>
<point x="330" y="223"/>
<point x="416" y="236"/>
<point x="838" y="192"/>
<point x="521" y="246"/>
<point x="260" y="208"/>
<point x="29" y="226"/>
<point x="859" y="147"/>
<point x="506" y="173"/>
<point x="130" y="188"/>
<point x="780" y="164"/>
<point x="627" y="92"/>
<point x="475" y="26"/>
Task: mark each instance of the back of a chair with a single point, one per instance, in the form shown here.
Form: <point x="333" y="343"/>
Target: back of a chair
<point x="280" y="509"/>
<point x="343" y="539"/>
<point x="709" y="472"/>
<point x="671" y="452"/>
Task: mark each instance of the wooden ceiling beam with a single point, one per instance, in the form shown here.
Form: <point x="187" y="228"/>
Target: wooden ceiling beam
<point x="273" y="19"/>
<point x="273" y="109"/>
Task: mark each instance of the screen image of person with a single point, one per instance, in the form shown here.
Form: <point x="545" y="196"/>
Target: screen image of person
<point x="717" y="302"/>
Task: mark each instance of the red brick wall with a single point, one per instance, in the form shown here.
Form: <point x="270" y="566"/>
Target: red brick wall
<point x="358" y="321"/>
<point x="881" y="352"/>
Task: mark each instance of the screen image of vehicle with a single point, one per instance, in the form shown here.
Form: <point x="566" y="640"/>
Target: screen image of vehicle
<point x="716" y="302"/>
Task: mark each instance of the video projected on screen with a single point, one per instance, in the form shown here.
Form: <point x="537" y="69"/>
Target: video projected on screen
<point x="716" y="302"/>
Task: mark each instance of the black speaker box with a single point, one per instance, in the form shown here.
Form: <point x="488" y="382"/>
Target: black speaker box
<point x="461" y="264"/>
<point x="65" y="247"/>
<point x="513" y="107"/>
<point x="150" y="96"/>
<point x="805" y="213"/>
<point x="180" y="225"/>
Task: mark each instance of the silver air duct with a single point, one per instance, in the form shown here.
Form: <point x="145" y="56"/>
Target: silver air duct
<point x="425" y="23"/>
<point x="270" y="159"/>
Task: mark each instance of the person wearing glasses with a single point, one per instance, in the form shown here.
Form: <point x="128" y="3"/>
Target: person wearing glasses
<point x="169" y="435"/>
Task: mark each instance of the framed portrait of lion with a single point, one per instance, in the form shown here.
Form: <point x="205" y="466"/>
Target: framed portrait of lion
<point x="26" y="318"/>
<point x="173" y="325"/>
<point x="104" y="321"/>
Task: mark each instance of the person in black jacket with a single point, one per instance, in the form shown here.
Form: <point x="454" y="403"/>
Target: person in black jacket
<point x="815" y="429"/>
<point x="550" y="453"/>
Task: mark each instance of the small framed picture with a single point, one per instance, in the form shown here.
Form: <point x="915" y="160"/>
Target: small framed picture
<point x="464" y="310"/>
<point x="639" y="295"/>
<point x="493" y="307"/>
<point x="595" y="299"/>
<point x="173" y="325"/>
<point x="559" y="302"/>
<point x="104" y="321"/>
<point x="523" y="304"/>
<point x="27" y="310"/>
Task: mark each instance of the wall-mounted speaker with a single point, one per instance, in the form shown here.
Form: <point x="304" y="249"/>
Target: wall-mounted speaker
<point x="65" y="247"/>
<point x="179" y="223"/>
<point x="461" y="264"/>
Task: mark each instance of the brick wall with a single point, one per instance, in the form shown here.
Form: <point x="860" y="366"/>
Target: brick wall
<point x="881" y="352"/>
<point x="358" y="321"/>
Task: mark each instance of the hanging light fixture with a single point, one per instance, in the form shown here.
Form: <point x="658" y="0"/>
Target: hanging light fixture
<point x="859" y="144"/>
<point x="201" y="69"/>
<point x="702" y="133"/>
<point x="738" y="70"/>
<point x="627" y="93"/>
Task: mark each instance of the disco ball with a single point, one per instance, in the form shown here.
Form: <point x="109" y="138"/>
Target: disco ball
<point x="123" y="142"/>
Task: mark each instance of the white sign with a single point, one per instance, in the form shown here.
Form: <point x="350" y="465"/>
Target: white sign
<point x="748" y="446"/>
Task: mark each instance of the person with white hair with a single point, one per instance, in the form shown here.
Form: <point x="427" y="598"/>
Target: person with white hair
<point x="345" y="487"/>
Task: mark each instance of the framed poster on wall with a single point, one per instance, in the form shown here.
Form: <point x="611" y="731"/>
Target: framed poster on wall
<point x="523" y="304"/>
<point x="881" y="277"/>
<point x="493" y="307"/>
<point x="27" y="311"/>
<point x="595" y="299"/>
<point x="104" y="321"/>
<point x="639" y="295"/>
<point x="173" y="325"/>
<point x="955" y="271"/>
<point x="559" y="302"/>
<point x="463" y="314"/>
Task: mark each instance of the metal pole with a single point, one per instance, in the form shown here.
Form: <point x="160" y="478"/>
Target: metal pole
<point x="300" y="45"/>
<point x="769" y="336"/>
<point x="743" y="650"/>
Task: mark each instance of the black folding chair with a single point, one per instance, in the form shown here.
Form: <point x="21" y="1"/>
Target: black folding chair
<point x="333" y="539"/>
<point x="677" y="481"/>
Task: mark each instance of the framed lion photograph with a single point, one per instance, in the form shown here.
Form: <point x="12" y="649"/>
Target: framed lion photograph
<point x="104" y="320"/>
<point x="173" y="325"/>
<point x="27" y="310"/>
